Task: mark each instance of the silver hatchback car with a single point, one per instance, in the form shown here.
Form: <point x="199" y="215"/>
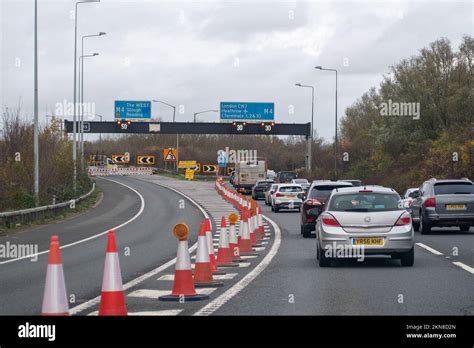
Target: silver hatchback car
<point x="368" y="220"/>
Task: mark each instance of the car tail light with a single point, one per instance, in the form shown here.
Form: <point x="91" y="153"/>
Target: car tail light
<point x="279" y="195"/>
<point x="430" y="202"/>
<point x="330" y="221"/>
<point x="403" y="220"/>
<point x="313" y="202"/>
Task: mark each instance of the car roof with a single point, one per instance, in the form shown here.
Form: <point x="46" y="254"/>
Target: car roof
<point x="373" y="188"/>
<point x="464" y="181"/>
<point x="286" y="185"/>
<point x="329" y="183"/>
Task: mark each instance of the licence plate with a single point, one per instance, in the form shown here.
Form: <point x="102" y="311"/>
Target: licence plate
<point x="291" y="196"/>
<point x="368" y="241"/>
<point x="455" y="206"/>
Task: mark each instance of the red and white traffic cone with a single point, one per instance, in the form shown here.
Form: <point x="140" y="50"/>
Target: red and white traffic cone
<point x="112" y="298"/>
<point x="224" y="255"/>
<point x="55" y="297"/>
<point x="261" y="227"/>
<point x="202" y="268"/>
<point x="183" y="285"/>
<point x="210" y="247"/>
<point x="233" y="241"/>
<point x="244" y="243"/>
<point x="253" y="238"/>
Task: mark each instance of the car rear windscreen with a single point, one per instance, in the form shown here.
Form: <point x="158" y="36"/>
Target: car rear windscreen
<point x="453" y="188"/>
<point x="323" y="191"/>
<point x="365" y="202"/>
<point x="291" y="189"/>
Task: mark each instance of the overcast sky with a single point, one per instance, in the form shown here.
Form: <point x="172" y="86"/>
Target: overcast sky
<point x="198" y="53"/>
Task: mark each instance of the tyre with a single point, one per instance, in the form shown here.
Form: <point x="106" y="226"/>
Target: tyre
<point x="301" y="229"/>
<point x="323" y="260"/>
<point x="408" y="259"/>
<point x="424" y="227"/>
<point x="272" y="207"/>
<point x="306" y="232"/>
<point x="416" y="225"/>
<point x="464" y="228"/>
<point x="276" y="209"/>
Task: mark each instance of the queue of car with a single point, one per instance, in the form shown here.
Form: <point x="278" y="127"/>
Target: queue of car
<point x="350" y="214"/>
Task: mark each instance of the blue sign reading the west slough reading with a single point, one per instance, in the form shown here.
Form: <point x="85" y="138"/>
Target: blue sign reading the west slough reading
<point x="247" y="111"/>
<point x="133" y="110"/>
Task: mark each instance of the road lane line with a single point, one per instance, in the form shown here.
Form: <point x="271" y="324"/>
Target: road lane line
<point x="464" y="267"/>
<point x="142" y="207"/>
<point x="241" y="284"/>
<point x="431" y="250"/>
<point x="153" y="272"/>
<point x="154" y="294"/>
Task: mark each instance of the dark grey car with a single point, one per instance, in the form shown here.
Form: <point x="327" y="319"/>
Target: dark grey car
<point x="447" y="203"/>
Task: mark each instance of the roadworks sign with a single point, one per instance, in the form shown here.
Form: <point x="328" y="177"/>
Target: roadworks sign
<point x="186" y="164"/>
<point x="189" y="174"/>
<point x="170" y="154"/>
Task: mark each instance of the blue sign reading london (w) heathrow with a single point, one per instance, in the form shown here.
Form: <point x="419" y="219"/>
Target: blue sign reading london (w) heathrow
<point x="247" y="111"/>
<point x="125" y="109"/>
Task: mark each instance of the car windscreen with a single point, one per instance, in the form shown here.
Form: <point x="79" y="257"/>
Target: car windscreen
<point x="301" y="181"/>
<point x="452" y="188"/>
<point x="288" y="176"/>
<point x="365" y="202"/>
<point x="323" y="191"/>
<point x="290" y="189"/>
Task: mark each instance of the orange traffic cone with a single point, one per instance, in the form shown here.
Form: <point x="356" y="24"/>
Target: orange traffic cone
<point x="210" y="247"/>
<point x="261" y="228"/>
<point x="233" y="241"/>
<point x="202" y="269"/>
<point x="183" y="286"/>
<point x="244" y="243"/>
<point x="112" y="298"/>
<point x="224" y="255"/>
<point x="55" y="297"/>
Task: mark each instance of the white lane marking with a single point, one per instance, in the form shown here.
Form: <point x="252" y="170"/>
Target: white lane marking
<point x="153" y="272"/>
<point x="142" y="207"/>
<point x="431" y="250"/>
<point x="164" y="312"/>
<point x="464" y="267"/>
<point x="215" y="277"/>
<point x="154" y="294"/>
<point x="241" y="284"/>
<point x="241" y="264"/>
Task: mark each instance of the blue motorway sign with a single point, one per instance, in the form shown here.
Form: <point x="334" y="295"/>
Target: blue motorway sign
<point x="247" y="111"/>
<point x="125" y="109"/>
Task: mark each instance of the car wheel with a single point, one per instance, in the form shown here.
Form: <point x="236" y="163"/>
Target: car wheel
<point x="299" y="209"/>
<point x="408" y="259"/>
<point x="323" y="260"/>
<point x="306" y="232"/>
<point x="416" y="225"/>
<point x="464" y="228"/>
<point x="276" y="208"/>
<point x="424" y="228"/>
<point x="273" y="209"/>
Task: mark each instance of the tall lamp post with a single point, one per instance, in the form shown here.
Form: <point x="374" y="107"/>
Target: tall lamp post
<point x="201" y="112"/>
<point x="319" y="67"/>
<point x="177" y="135"/>
<point x="81" y="100"/>
<point x="308" y="155"/>
<point x="36" y="130"/>
<point x="74" y="127"/>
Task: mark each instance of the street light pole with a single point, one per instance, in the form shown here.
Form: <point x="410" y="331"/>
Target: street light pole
<point x="201" y="112"/>
<point x="177" y="135"/>
<point x="81" y="98"/>
<point x="335" y="133"/>
<point x="309" y="155"/>
<point x="36" y="130"/>
<point x="81" y="101"/>
<point x="74" y="127"/>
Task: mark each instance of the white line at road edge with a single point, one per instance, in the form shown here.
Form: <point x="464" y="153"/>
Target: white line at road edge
<point x="464" y="267"/>
<point x="241" y="284"/>
<point x="431" y="250"/>
<point x="133" y="282"/>
<point x="142" y="207"/>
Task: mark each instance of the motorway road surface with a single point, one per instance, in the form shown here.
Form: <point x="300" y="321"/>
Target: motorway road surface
<point x="291" y="284"/>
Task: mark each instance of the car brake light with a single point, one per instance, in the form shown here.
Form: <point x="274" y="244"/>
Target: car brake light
<point x="313" y="202"/>
<point x="403" y="220"/>
<point x="430" y="202"/>
<point x="279" y="195"/>
<point x="330" y="221"/>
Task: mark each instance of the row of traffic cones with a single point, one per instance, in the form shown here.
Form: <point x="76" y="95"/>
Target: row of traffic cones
<point x="112" y="299"/>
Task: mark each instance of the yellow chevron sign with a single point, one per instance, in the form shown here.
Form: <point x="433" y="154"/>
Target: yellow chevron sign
<point x="120" y="159"/>
<point x="145" y="159"/>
